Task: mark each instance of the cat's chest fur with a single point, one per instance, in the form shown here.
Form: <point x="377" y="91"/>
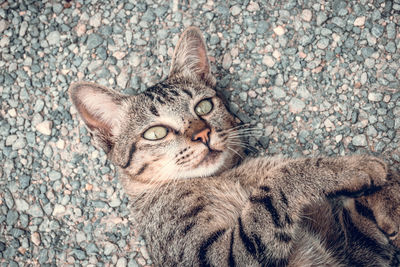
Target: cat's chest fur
<point x="216" y="200"/>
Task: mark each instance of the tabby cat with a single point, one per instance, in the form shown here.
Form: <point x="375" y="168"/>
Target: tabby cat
<point x="197" y="203"/>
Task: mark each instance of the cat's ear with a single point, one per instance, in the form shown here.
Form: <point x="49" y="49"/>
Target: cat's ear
<point x="101" y="110"/>
<point x="190" y="57"/>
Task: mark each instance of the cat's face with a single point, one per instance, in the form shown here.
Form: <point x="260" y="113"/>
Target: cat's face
<point x="177" y="129"/>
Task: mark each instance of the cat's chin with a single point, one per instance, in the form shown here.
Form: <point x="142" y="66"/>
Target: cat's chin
<point x="211" y="164"/>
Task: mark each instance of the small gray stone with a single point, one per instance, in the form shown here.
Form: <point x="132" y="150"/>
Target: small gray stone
<point x="99" y="204"/>
<point x="3" y="25"/>
<point x="58" y="210"/>
<point x="80" y="237"/>
<point x="54" y="175"/>
<point x="279" y="80"/>
<point x="133" y="263"/>
<point x="43" y="256"/>
<point x="359" y="140"/>
<point x="48" y="151"/>
<point x="21" y="204"/>
<point x="227" y="61"/>
<point x="235" y="10"/>
<point x="44" y="127"/>
<point x="109" y="248"/>
<point x="306" y="15"/>
<point x="296" y="105"/>
<point x="303" y="92"/>
<point x="115" y="202"/>
<point x="264" y="141"/>
<point x="57" y="8"/>
<point x="364" y="78"/>
<point x="359" y="22"/>
<point x="39" y="104"/>
<point x="370" y="63"/>
<point x="23" y="28"/>
<point x="338" y="5"/>
<point x="367" y="51"/>
<point x="134" y="60"/>
<point x="372" y="119"/>
<point x="95" y="21"/>
<point x="122" y="79"/>
<point x="16" y="232"/>
<point x="2" y="246"/>
<point x="91" y="249"/>
<point x="4" y="41"/>
<point x="19" y="143"/>
<point x="161" y="11"/>
<point x="53" y="38"/>
<point x="95" y="65"/>
<point x="94" y="40"/>
<point x="323" y="43"/>
<point x="243" y="96"/>
<point x="339" y="22"/>
<point x="35" y="211"/>
<point x="380" y="146"/>
<point x="397" y="123"/>
<point x="12" y="217"/>
<point x="371" y="131"/>
<point x="321" y="18"/>
<point x="214" y="39"/>
<point x="24" y="181"/>
<point x="80" y="254"/>
<point x="391" y="47"/>
<point x="11" y="139"/>
<point x="36" y="238"/>
<point x="375" y="97"/>
<point x="149" y="16"/>
<point x="390" y="29"/>
<point x="377" y="30"/>
<point x="278" y="93"/>
<point x="253" y="6"/>
<point x="268" y="61"/>
<point x="122" y="262"/>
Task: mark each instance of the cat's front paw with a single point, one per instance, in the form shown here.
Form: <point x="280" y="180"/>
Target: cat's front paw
<point x="385" y="207"/>
<point x="361" y="175"/>
<point x="376" y="169"/>
<point x="369" y="167"/>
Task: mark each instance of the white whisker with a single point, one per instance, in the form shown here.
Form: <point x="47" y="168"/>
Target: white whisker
<point x="231" y="149"/>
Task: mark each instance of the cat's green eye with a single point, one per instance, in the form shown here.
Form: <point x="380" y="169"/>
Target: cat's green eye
<point x="204" y="107"/>
<point x="155" y="133"/>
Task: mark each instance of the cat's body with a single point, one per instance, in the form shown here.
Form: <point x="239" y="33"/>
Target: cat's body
<point x="177" y="148"/>
<point x="211" y="220"/>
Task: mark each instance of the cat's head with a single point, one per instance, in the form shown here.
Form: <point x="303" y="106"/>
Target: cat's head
<point x="177" y="129"/>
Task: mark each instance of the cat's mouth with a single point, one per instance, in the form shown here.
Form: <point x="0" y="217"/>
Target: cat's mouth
<point x="209" y="158"/>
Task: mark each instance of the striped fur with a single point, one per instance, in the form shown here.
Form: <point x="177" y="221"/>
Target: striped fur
<point x="196" y="206"/>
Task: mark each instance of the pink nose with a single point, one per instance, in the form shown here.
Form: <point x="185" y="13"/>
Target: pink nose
<point x="202" y="136"/>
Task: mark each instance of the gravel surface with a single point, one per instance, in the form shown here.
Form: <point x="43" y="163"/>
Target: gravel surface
<point x="318" y="78"/>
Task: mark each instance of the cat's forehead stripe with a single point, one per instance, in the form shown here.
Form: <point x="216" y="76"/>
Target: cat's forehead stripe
<point x="154" y="110"/>
<point x="188" y="93"/>
<point x="163" y="92"/>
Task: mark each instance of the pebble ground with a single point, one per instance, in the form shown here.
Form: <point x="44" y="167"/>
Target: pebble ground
<point x="319" y="77"/>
